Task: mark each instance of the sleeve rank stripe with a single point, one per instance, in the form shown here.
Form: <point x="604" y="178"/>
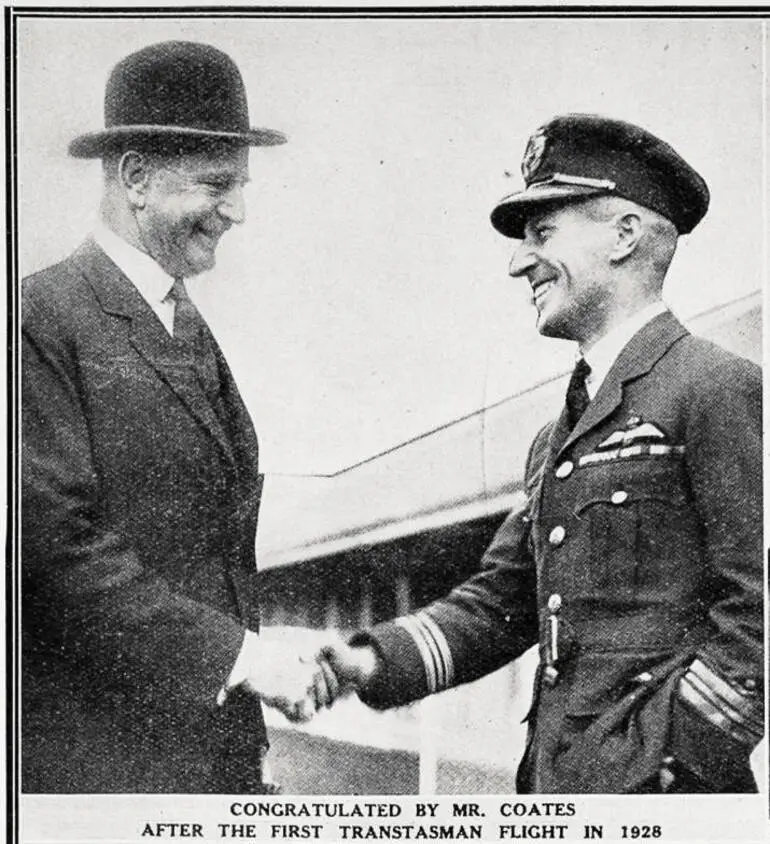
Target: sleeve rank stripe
<point x="435" y="656"/>
<point x="409" y="624"/>
<point x="715" y="716"/>
<point x="722" y="690"/>
<point x="713" y="699"/>
<point x="435" y="652"/>
<point x="443" y="648"/>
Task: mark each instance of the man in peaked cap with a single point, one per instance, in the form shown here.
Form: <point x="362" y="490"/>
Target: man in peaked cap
<point x="142" y="665"/>
<point x="636" y="563"/>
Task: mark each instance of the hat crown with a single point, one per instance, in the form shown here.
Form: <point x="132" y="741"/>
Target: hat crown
<point x="177" y="83"/>
<point x="576" y="156"/>
<point x="178" y="92"/>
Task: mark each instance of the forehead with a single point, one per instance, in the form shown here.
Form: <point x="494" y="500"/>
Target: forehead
<point x="561" y="216"/>
<point x="220" y="161"/>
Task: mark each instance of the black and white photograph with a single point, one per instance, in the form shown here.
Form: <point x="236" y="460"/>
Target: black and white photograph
<point x="385" y="405"/>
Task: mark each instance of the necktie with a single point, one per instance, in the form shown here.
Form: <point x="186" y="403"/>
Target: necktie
<point x="190" y="333"/>
<point x="186" y="316"/>
<point x="577" y="392"/>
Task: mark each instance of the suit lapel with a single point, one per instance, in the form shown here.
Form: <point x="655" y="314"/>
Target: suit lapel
<point x="118" y="296"/>
<point x="641" y="353"/>
<point x="236" y="416"/>
<point x="178" y="372"/>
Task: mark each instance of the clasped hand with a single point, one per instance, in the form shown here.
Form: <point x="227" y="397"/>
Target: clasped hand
<point x="299" y="685"/>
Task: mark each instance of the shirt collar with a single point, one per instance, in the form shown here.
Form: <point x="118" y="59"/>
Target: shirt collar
<point x="144" y="272"/>
<point x="605" y="351"/>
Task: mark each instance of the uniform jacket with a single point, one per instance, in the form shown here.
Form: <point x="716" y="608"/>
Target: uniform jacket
<point x="139" y="509"/>
<point x="636" y="565"/>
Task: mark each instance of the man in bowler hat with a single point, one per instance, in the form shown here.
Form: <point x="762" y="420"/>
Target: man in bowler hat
<point x="142" y="663"/>
<point x="636" y="562"/>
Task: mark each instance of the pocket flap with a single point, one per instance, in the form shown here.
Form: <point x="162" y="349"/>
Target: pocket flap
<point x="629" y="484"/>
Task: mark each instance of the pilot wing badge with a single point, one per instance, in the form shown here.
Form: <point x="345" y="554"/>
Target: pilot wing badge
<point x="637" y="439"/>
<point x="642" y="432"/>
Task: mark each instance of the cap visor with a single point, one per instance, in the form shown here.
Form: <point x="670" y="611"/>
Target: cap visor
<point x="96" y="144"/>
<point x="511" y="214"/>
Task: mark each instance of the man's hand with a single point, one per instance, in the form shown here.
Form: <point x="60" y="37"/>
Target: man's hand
<point x="295" y="684"/>
<point x="354" y="667"/>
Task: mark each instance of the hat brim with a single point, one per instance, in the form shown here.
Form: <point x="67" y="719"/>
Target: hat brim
<point x="96" y="144"/>
<point x="511" y="214"/>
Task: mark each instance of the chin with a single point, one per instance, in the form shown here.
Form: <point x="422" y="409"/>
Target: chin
<point x="200" y="264"/>
<point x="552" y="328"/>
<point x="544" y="324"/>
<point x="547" y="331"/>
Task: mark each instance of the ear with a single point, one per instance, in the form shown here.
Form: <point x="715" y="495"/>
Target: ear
<point x="628" y="232"/>
<point x="134" y="172"/>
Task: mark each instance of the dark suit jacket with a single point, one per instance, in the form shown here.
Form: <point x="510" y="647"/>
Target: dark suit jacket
<point x="139" y="510"/>
<point x="651" y="537"/>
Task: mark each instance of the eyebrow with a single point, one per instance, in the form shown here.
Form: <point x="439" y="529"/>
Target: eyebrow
<point x="219" y="176"/>
<point x="537" y="222"/>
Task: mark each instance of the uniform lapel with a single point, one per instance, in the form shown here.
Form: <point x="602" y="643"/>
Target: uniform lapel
<point x="118" y="296"/>
<point x="642" y="352"/>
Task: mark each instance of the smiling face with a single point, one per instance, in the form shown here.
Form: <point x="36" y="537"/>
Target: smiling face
<point x="190" y="201"/>
<point x="564" y="256"/>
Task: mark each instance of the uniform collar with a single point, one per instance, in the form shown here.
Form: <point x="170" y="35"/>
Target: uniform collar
<point x="143" y="271"/>
<point x="603" y="354"/>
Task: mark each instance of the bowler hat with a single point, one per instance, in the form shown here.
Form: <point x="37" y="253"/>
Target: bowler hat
<point x="576" y="156"/>
<point x="177" y="91"/>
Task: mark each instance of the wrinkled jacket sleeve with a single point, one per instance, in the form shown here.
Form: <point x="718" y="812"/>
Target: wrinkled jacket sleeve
<point x="479" y="626"/>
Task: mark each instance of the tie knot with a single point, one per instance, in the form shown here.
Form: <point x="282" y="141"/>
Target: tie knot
<point x="178" y="291"/>
<point x="582" y="369"/>
<point x="577" y="393"/>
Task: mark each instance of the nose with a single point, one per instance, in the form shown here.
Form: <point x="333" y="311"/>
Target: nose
<point x="524" y="258"/>
<point x="232" y="207"/>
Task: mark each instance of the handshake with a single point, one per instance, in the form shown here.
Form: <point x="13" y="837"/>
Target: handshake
<point x="298" y="684"/>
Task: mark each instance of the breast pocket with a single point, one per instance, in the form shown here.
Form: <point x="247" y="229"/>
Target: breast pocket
<point x="638" y="525"/>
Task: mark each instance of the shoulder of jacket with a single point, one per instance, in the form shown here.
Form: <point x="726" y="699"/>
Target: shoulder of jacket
<point x="702" y="360"/>
<point x="54" y="291"/>
<point x="536" y="458"/>
<point x="540" y="442"/>
<point x="52" y="279"/>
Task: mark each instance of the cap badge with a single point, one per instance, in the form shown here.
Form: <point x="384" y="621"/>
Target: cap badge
<point x="533" y="155"/>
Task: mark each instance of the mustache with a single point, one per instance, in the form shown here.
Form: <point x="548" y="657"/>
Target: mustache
<point x="215" y="231"/>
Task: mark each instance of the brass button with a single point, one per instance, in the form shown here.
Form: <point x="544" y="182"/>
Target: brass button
<point x="564" y="470"/>
<point x="644" y="677"/>
<point x="620" y="496"/>
<point x="554" y="603"/>
<point x="556" y="537"/>
<point x="750" y="684"/>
